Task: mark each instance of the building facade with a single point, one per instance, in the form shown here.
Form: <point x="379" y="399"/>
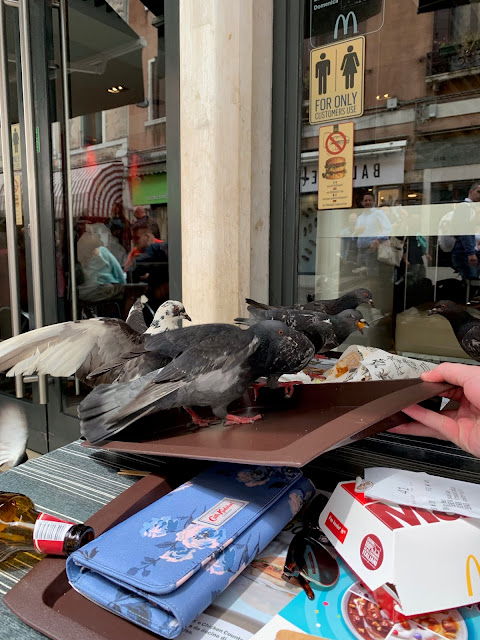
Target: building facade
<point x="224" y="99"/>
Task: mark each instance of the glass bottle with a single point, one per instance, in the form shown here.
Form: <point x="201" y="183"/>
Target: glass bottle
<point x="23" y="528"/>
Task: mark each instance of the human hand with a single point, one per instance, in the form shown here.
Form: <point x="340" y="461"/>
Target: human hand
<point x="359" y="230"/>
<point x="373" y="247"/>
<point x="473" y="259"/>
<point x="460" y="425"/>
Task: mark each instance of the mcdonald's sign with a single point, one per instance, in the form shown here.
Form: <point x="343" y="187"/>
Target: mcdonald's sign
<point x="345" y="20"/>
<point x="468" y="574"/>
<point x="322" y="15"/>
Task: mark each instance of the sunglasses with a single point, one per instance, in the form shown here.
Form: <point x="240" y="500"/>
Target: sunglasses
<point x="308" y="559"/>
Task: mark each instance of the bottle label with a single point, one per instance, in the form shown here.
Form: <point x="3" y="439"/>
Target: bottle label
<point x="49" y="534"/>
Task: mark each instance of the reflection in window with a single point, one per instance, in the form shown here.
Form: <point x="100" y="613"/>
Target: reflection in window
<point x="156" y="88"/>
<point x="92" y="130"/>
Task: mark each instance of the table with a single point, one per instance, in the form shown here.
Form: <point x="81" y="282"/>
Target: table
<point x="72" y="482"/>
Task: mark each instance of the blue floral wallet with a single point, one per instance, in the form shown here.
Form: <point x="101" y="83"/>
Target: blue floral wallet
<point x="163" y="566"/>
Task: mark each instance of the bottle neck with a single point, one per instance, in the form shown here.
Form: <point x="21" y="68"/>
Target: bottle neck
<point x="54" y="536"/>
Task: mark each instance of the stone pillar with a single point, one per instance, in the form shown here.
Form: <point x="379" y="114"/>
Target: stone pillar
<point x="225" y="142"/>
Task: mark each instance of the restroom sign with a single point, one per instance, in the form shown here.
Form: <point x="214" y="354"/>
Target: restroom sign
<point x="337" y="81"/>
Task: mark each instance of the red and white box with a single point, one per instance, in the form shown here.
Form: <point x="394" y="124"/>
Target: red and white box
<point x="431" y="559"/>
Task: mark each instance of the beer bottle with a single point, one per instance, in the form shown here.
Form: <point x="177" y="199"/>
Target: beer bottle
<point x="23" y="528"/>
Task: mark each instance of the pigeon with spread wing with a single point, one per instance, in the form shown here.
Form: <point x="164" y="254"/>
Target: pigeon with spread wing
<point x="82" y="346"/>
<point x="212" y="371"/>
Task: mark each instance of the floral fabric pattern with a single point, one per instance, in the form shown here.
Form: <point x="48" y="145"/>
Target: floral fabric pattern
<point x="166" y="564"/>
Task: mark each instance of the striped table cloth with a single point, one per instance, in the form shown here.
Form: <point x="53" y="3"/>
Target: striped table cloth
<point x="72" y="483"/>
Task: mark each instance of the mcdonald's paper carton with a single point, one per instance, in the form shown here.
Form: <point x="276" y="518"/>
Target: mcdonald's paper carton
<point x="424" y="560"/>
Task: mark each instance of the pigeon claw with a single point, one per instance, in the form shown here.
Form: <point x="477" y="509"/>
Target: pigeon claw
<point x="256" y="386"/>
<point x="231" y="419"/>
<point x="289" y="387"/>
<point x="198" y="420"/>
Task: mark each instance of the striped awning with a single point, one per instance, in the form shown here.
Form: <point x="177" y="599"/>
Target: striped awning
<point x="95" y="190"/>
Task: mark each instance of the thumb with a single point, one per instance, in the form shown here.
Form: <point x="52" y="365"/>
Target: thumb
<point x="453" y="373"/>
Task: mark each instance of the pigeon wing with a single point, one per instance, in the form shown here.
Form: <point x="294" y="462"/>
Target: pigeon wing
<point x="157" y="351"/>
<point x="219" y="353"/>
<point x="173" y="343"/>
<point x="67" y="348"/>
<point x="135" y="319"/>
<point x="470" y="342"/>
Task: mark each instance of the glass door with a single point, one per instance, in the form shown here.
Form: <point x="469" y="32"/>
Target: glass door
<point x="21" y="307"/>
<point x="109" y="170"/>
<point x="84" y="214"/>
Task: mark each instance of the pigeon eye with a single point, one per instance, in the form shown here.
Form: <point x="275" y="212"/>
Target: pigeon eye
<point x="281" y="332"/>
<point x="176" y="308"/>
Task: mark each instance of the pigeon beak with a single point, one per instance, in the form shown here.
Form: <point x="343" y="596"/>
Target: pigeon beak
<point x="433" y="311"/>
<point x="361" y="324"/>
<point x="370" y="302"/>
<point x="185" y="316"/>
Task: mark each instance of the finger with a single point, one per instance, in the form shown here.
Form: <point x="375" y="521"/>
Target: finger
<point x="416" y="429"/>
<point x="440" y="422"/>
<point x="456" y="374"/>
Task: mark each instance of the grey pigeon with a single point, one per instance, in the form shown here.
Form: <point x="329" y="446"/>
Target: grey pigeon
<point x="82" y="346"/>
<point x="325" y="331"/>
<point x="465" y="326"/>
<point x="213" y="372"/>
<point x="349" y="300"/>
<point x="345" y="323"/>
<point x="317" y="327"/>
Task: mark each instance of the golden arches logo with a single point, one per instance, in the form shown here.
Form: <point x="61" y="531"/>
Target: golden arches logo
<point x="468" y="573"/>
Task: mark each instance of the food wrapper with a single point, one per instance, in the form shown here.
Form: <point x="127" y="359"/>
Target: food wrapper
<point x="359" y="363"/>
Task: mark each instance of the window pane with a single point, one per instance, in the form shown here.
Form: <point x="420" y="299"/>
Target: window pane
<point x="411" y="233"/>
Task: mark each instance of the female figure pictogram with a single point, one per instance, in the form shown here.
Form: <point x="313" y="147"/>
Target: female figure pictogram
<point x="349" y="67"/>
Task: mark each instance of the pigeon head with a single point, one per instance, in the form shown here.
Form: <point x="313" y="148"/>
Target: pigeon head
<point x="446" y="308"/>
<point x="354" y="318"/>
<point x="281" y="349"/>
<point x="167" y="317"/>
<point x="361" y="296"/>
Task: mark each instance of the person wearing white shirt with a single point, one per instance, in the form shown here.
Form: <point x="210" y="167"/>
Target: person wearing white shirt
<point x="373" y="227"/>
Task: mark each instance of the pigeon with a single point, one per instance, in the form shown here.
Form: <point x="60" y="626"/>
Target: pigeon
<point x="350" y="300"/>
<point x="325" y="331"/>
<point x="317" y="327"/>
<point x="13" y="437"/>
<point x="82" y="346"/>
<point x="212" y="372"/>
<point x="345" y="323"/>
<point x="465" y="326"/>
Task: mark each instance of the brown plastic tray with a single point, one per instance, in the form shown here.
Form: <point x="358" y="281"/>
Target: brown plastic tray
<point x="45" y="600"/>
<point x="293" y="431"/>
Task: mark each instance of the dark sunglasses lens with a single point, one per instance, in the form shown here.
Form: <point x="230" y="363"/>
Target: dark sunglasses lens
<point x="316" y="564"/>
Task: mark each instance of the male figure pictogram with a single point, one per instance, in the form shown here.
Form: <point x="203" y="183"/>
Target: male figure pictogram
<point x="322" y="70"/>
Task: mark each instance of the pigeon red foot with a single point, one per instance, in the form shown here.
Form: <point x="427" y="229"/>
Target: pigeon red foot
<point x="288" y="386"/>
<point x="198" y="420"/>
<point x="231" y="419"/>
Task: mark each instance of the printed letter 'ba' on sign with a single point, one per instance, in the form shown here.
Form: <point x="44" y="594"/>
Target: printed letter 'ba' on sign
<point x="337" y="81"/>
